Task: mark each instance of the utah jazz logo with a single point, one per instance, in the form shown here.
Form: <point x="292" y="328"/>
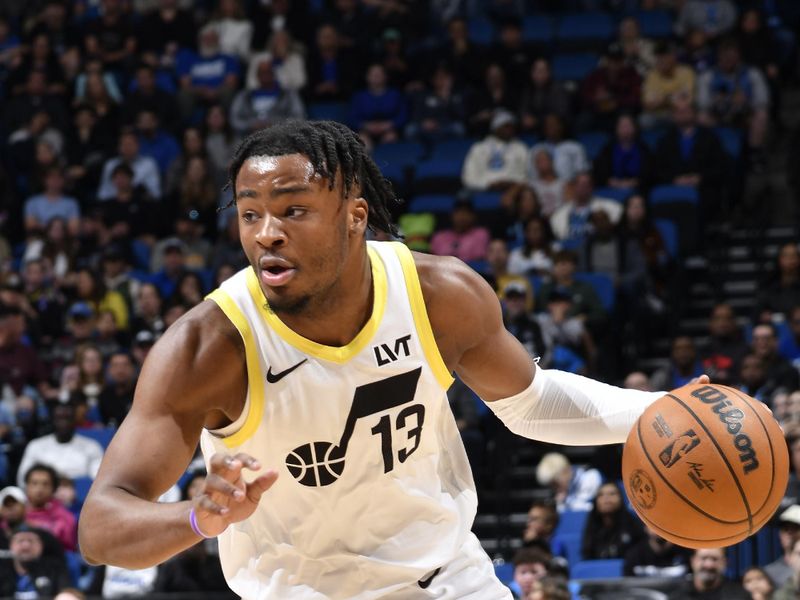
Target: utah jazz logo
<point x="318" y="464"/>
<point x="679" y="447"/>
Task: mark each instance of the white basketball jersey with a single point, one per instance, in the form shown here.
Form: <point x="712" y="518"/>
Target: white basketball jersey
<point x="374" y="490"/>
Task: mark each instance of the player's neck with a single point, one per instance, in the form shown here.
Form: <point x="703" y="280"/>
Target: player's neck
<point x="338" y="315"/>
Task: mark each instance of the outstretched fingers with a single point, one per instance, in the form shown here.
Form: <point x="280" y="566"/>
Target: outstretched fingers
<point x="260" y="485"/>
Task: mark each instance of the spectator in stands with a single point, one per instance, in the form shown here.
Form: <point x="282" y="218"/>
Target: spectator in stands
<point x="260" y="106"/>
<point x="779" y="293"/>
<point x="148" y="96"/>
<point x="174" y="266"/>
<point x="495" y="94"/>
<point x="571" y="221"/>
<point x="465" y="59"/>
<point x="574" y="487"/>
<point x="690" y="155"/>
<point x="498" y="274"/>
<point x="760" y="47"/>
<point x="530" y="565"/>
<point x="665" y="84"/>
<point x="189" y="232"/>
<point x="286" y="59"/>
<point x="207" y="77"/>
<point x="12" y="512"/>
<point x="154" y="141"/>
<point x="169" y="28"/>
<point x="52" y="203"/>
<point x="565" y="334"/>
<point x="791" y="587"/>
<point x="541" y="524"/>
<point x="550" y="588"/>
<point x="195" y="570"/>
<point x="636" y="380"/>
<point x="551" y="190"/>
<point x="708" y="578"/>
<point x="89" y="361"/>
<point x="220" y="140"/>
<point x="613" y="87"/>
<point x="378" y="112"/>
<point x="683" y="366"/>
<point x="511" y="51"/>
<point x="234" y="30"/>
<point x="88" y="146"/>
<point x="791" y="351"/>
<point x="439" y="111"/>
<point x="189" y="290"/>
<point x="147" y="316"/>
<point x="98" y="97"/>
<point x="780" y="372"/>
<point x="780" y="570"/>
<point x="20" y="366"/>
<point x="92" y="290"/>
<point x="639" y="51"/>
<point x="333" y="70"/>
<point x="753" y="378"/>
<point x="499" y="160"/>
<point x="466" y="240"/>
<point x="519" y="322"/>
<point x="736" y="95"/>
<point x="20" y="109"/>
<point x="110" y="37"/>
<point x="44" y="510"/>
<point x="145" y="170"/>
<point x="392" y="56"/>
<point x="584" y="300"/>
<point x="569" y="157"/>
<point x="70" y="594"/>
<point x="610" y="529"/>
<point x="625" y="162"/>
<point x="228" y="249"/>
<point x="542" y="96"/>
<point x="68" y="452"/>
<point x="128" y="214"/>
<point x="654" y="556"/>
<point x="722" y="356"/>
<point x="36" y="567"/>
<point x="712" y="17"/>
<point x="535" y="256"/>
<point x="758" y="584"/>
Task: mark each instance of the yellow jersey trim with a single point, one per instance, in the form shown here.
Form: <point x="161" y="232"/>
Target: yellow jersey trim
<point x="255" y="380"/>
<point x="336" y="354"/>
<point x="423" y="324"/>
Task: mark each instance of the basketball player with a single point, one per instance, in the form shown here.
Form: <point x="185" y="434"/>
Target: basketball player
<point x="315" y="382"/>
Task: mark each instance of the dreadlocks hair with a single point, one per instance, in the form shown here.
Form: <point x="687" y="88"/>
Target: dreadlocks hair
<point x="330" y="147"/>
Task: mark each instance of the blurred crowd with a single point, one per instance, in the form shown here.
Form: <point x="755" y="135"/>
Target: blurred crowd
<point x="550" y="139"/>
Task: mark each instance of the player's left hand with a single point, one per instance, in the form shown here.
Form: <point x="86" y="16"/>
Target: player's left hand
<point x="701" y="379"/>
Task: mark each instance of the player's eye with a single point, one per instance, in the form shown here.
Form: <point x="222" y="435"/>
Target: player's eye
<point x="295" y="211"/>
<point x="249" y="217"/>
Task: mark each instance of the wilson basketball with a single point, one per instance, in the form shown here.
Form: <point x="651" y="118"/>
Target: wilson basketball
<point x="705" y="466"/>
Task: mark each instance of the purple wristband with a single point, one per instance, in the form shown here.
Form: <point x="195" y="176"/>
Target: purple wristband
<point x="195" y="528"/>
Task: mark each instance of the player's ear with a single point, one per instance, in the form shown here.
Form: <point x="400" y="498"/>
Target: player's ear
<point x="359" y="214"/>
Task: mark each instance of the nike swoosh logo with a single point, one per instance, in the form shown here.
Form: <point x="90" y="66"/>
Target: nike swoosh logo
<point x="276" y="377"/>
<point x="424" y="583"/>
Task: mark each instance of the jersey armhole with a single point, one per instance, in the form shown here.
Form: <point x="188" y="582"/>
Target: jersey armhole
<point x="420" y="314"/>
<point x="245" y="426"/>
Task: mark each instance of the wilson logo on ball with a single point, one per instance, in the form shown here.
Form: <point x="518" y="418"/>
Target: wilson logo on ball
<point x="679" y="448"/>
<point x="733" y="423"/>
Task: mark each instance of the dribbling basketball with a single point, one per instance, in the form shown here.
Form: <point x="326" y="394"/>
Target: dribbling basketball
<point x="705" y="466"/>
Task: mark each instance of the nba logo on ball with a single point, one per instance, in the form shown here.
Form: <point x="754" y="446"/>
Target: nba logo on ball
<point x="705" y="466"/>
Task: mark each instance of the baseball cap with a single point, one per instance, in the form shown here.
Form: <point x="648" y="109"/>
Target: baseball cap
<point x="515" y="289"/>
<point x="791" y="515"/>
<point x="144" y="338"/>
<point x="502" y="118"/>
<point x="174" y="244"/>
<point x="80" y="310"/>
<point x="14" y="492"/>
<point x="614" y="50"/>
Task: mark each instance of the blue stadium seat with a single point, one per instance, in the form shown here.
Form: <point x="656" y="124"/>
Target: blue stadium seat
<point x="603" y="285"/>
<point x="669" y="233"/>
<point x="529" y="139"/>
<point x="582" y="27"/>
<point x="593" y="142"/>
<point x="768" y="545"/>
<point x="433" y="203"/>
<point x="654" y="23"/>
<point x="102" y="436"/>
<point x="731" y="140"/>
<point x="651" y="137"/>
<point x="596" y="569"/>
<point x="438" y="177"/>
<point x="480" y="266"/>
<point x="668" y="194"/>
<point x="452" y="150"/>
<point x="538" y="29"/>
<point x="572" y="521"/>
<point x="329" y="111"/>
<point x="403" y="153"/>
<point x="573" y="67"/>
<point x="480" y="32"/>
<point x="486" y="201"/>
<point x="504" y="572"/>
<point x="618" y="194"/>
<point x="82" y="485"/>
<point x="75" y="565"/>
<point x="570" y="544"/>
<point x="141" y="254"/>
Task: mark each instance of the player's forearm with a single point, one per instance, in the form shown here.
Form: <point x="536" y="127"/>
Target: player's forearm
<point x="117" y="528"/>
<point x="564" y="408"/>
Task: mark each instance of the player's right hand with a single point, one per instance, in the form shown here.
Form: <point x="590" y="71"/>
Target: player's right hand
<point x="226" y="497"/>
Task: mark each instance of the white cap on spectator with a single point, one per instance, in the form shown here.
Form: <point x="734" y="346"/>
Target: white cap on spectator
<point x="13" y="491"/>
<point x="551" y="465"/>
<point x="501" y="118"/>
<point x="791" y="515"/>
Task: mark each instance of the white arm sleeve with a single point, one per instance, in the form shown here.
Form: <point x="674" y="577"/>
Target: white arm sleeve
<point x="564" y="408"/>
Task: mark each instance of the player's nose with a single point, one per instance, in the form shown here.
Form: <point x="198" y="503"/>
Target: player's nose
<point x="271" y="233"/>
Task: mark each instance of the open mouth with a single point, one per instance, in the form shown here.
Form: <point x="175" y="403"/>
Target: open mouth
<point x="276" y="275"/>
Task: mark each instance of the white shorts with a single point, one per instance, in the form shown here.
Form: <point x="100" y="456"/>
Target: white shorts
<point x="470" y="576"/>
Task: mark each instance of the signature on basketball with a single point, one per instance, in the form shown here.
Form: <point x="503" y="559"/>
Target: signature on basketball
<point x="733" y="420"/>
